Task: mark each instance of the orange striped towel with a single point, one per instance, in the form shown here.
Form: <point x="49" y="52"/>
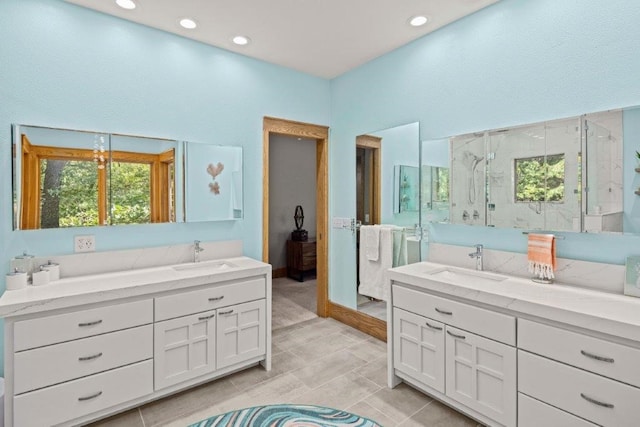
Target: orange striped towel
<point x="541" y="253"/>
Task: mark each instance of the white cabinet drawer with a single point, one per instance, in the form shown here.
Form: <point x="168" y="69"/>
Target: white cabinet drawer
<point x="63" y="402"/>
<point x="214" y="296"/>
<point x="80" y="324"/>
<point x="533" y="413"/>
<point x="54" y="364"/>
<point x="496" y="326"/>
<point x="590" y="396"/>
<point x="602" y="357"/>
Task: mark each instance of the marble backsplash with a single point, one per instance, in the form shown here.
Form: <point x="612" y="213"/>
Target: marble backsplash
<point x="593" y="275"/>
<point x="81" y="264"/>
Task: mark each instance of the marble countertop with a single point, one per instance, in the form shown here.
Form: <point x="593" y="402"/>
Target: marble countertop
<point x="88" y="289"/>
<point x="611" y="314"/>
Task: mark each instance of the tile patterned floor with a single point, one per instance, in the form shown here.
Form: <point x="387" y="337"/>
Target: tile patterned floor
<point x="317" y="361"/>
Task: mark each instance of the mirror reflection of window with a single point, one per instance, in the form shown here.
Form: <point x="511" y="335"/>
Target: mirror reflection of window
<point x="540" y="179"/>
<point x="72" y="178"/>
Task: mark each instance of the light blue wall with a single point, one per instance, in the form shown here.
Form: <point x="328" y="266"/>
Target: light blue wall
<point x="516" y="62"/>
<point x="66" y="66"/>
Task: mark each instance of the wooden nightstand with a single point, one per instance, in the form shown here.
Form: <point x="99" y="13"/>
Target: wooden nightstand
<point x="301" y="257"/>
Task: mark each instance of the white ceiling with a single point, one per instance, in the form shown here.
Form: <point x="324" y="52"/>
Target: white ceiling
<point x="321" y="37"/>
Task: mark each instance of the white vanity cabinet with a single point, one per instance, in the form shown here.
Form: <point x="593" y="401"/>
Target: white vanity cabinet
<point x="462" y="354"/>
<point x="116" y="349"/>
<point x="69" y="365"/>
<point x="580" y="375"/>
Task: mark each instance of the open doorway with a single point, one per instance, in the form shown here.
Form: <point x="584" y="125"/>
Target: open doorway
<point x="277" y="132"/>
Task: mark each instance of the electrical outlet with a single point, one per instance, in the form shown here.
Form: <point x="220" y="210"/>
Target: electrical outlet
<point x="84" y="243"/>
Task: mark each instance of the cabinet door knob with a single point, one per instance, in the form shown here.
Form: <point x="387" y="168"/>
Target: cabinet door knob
<point x="448" y="313"/>
<point x="596" y="357"/>
<point x="456" y="335"/>
<point x="596" y="402"/>
<point x="216" y="298"/>
<point x="226" y="312"/>
<point x="93" y="396"/>
<point x="95" y="356"/>
<point x="95" y="322"/>
<point x="437" y="328"/>
<point x="206" y="317"/>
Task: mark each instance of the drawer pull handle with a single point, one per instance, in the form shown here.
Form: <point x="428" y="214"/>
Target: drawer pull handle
<point x="216" y="298"/>
<point x="95" y="356"/>
<point x="226" y="312"/>
<point x="596" y="402"/>
<point x="93" y="396"/>
<point x="95" y="322"/>
<point x="437" y="328"/>
<point x="595" y="356"/>
<point x="206" y="317"/>
<point x="456" y="335"/>
<point x="448" y="313"/>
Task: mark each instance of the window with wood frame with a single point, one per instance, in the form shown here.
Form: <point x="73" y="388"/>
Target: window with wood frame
<point x="65" y="187"/>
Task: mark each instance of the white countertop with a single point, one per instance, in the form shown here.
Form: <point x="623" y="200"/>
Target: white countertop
<point x="74" y="291"/>
<point x="612" y="314"/>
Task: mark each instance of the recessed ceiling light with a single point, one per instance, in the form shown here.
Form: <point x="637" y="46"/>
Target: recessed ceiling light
<point x="187" y="23"/>
<point x="241" y="40"/>
<point x="126" y="4"/>
<point x="418" y="21"/>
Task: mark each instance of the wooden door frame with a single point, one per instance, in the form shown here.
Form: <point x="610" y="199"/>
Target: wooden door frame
<point x="373" y="144"/>
<point x="320" y="134"/>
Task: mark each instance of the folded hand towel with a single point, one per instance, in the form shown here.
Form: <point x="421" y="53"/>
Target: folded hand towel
<point x="541" y="254"/>
<point x="370" y="239"/>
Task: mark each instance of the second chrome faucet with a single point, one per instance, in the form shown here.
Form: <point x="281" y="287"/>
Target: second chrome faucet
<point x="478" y="256"/>
<point x="196" y="250"/>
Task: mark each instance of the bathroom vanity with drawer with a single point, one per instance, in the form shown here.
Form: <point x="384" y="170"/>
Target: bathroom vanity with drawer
<point x="87" y="347"/>
<point x="509" y="352"/>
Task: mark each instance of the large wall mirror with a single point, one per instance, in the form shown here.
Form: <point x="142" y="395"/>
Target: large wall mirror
<point x="387" y="193"/>
<point x="74" y="178"/>
<point x="562" y="175"/>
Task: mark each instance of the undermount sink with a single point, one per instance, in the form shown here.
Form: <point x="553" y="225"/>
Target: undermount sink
<point x="208" y="265"/>
<point x="452" y="274"/>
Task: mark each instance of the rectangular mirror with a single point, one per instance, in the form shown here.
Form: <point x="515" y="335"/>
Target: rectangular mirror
<point x="560" y="175"/>
<point x="213" y="182"/>
<point x="72" y="178"/>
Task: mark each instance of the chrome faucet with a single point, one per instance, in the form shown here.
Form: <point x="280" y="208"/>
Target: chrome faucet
<point x="196" y="250"/>
<point x="478" y="256"/>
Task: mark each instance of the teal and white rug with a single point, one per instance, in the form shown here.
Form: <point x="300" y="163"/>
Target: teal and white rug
<point x="287" y="416"/>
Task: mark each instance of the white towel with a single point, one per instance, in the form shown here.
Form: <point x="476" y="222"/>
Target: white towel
<point x="372" y="273"/>
<point x="370" y="241"/>
<point x="400" y="253"/>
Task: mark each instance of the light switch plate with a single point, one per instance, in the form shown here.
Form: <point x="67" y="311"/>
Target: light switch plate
<point x="85" y="243"/>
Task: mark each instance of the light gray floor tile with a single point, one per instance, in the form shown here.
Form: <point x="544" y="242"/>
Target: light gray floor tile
<point x="363" y="409"/>
<point x="281" y="363"/>
<point x="339" y="393"/>
<point x="178" y="405"/>
<point x="399" y="403"/>
<point x="370" y="349"/>
<point x="322" y="346"/>
<point x="130" y="418"/>
<point x="286" y="312"/>
<point x="375" y="371"/>
<point x="435" y="414"/>
<point x="356" y="334"/>
<point x="324" y="370"/>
